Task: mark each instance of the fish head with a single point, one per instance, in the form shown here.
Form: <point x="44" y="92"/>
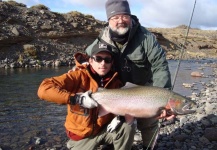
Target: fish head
<point x="180" y="105"/>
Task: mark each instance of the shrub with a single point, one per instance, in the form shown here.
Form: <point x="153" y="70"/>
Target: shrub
<point x="89" y="16"/>
<point x="40" y="6"/>
<point x="76" y="14"/>
<point x="30" y="51"/>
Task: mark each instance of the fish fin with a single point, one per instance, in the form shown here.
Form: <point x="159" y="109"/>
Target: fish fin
<point x="102" y="111"/>
<point x="129" y="85"/>
<point x="100" y="89"/>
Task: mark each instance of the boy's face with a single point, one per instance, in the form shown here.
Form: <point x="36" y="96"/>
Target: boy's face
<point x="101" y="62"/>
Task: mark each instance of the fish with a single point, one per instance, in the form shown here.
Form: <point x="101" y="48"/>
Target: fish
<point x="142" y="101"/>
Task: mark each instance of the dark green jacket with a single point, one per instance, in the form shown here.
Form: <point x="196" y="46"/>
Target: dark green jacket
<point x="141" y="60"/>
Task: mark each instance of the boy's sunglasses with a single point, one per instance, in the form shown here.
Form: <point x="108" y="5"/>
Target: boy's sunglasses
<point x="99" y="59"/>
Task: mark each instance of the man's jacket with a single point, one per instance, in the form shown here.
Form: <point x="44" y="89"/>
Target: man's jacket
<point x="80" y="122"/>
<point x="141" y="60"/>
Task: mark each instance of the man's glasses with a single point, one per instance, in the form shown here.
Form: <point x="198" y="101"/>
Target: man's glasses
<point x="117" y="18"/>
<point x="99" y="59"/>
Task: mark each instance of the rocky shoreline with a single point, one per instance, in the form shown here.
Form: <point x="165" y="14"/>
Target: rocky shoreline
<point x="66" y="60"/>
<point x="33" y="63"/>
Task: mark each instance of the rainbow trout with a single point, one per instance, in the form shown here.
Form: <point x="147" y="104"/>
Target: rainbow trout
<point x="141" y="101"/>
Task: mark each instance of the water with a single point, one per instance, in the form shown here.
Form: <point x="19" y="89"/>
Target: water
<point x="23" y="117"/>
<point x="184" y="75"/>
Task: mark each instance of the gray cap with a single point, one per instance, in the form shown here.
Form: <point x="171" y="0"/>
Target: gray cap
<point x="99" y="47"/>
<point x="116" y="7"/>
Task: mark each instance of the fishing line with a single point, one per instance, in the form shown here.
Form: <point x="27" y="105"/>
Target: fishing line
<point x="154" y="140"/>
<point x="182" y="47"/>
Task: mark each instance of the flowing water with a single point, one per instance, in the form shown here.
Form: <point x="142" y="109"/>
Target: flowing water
<point x="23" y="117"/>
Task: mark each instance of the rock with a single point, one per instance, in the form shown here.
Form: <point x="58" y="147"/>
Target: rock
<point x="37" y="141"/>
<point x="57" y="63"/>
<point x="210" y="134"/>
<point x="214" y="120"/>
<point x="204" y="140"/>
<point x="181" y="137"/>
<point x="196" y="74"/>
<point x="187" y="85"/>
<point x="15" y="31"/>
<point x="74" y="24"/>
<point x="183" y="120"/>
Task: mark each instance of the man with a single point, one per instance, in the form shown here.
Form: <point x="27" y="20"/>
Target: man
<point x="138" y="56"/>
<point x="84" y="128"/>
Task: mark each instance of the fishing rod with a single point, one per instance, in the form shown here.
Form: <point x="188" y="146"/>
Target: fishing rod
<point x="154" y="140"/>
<point x="183" y="46"/>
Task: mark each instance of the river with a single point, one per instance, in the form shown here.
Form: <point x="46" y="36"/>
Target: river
<point x="23" y="117"/>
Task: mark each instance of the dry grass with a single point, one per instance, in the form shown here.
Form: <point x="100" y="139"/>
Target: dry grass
<point x="195" y="40"/>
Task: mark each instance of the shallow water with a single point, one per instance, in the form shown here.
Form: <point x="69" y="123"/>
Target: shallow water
<point x="184" y="75"/>
<point x="23" y="117"/>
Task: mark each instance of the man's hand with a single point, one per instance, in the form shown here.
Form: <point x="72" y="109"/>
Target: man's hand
<point x="167" y="116"/>
<point x="84" y="100"/>
<point x="118" y="120"/>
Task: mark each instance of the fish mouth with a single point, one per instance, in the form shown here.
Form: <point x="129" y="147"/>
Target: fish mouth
<point x="187" y="108"/>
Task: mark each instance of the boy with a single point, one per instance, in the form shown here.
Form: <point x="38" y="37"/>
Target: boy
<point x="83" y="126"/>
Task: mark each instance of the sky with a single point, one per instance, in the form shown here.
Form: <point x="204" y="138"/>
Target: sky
<point x="151" y="13"/>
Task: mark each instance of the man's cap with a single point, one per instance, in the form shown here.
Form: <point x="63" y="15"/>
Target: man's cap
<point x="100" y="47"/>
<point x="117" y="7"/>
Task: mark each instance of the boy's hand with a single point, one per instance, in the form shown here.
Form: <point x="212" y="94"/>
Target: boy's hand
<point x="84" y="100"/>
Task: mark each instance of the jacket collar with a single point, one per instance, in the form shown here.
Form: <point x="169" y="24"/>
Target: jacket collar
<point x="101" y="80"/>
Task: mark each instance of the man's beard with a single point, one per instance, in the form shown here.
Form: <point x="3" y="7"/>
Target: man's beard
<point x="121" y="29"/>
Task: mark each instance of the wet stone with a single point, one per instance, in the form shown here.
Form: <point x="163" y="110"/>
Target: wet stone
<point x="210" y="134"/>
<point x="181" y="137"/>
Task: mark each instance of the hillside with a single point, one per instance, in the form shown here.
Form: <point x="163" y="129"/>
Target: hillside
<point x="38" y="34"/>
<point x="199" y="43"/>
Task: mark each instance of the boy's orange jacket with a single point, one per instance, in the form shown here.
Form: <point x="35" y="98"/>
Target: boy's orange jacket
<point x="59" y="89"/>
